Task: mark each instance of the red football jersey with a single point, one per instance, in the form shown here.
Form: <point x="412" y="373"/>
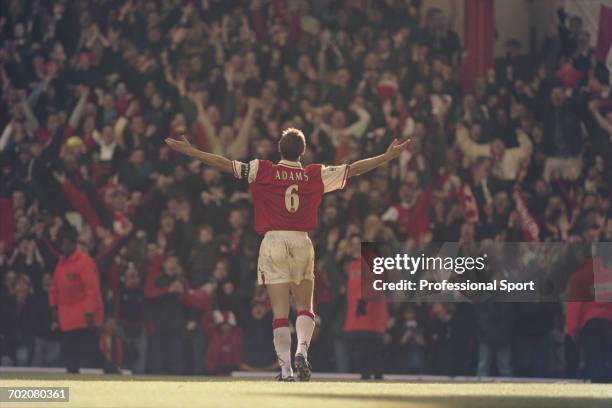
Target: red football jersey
<point x="286" y="196"/>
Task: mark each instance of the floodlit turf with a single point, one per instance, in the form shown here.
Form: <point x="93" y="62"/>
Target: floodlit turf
<point x="148" y="392"/>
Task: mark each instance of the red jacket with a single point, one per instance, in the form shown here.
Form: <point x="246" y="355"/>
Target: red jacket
<point x="75" y="291"/>
<point x="584" y="305"/>
<point x="224" y="350"/>
<point x="375" y="317"/>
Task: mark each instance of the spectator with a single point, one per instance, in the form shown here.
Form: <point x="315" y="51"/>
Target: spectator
<point x="494" y="339"/>
<point x="588" y="322"/>
<point x="258" y="352"/>
<point x="20" y="323"/>
<point x="224" y="352"/>
<point x="163" y="288"/>
<point x="75" y="293"/>
<point x="47" y="346"/>
<point x="365" y="322"/>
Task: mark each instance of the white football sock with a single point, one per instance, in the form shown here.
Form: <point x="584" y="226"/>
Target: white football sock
<point x="304" y="326"/>
<point x="282" y="345"/>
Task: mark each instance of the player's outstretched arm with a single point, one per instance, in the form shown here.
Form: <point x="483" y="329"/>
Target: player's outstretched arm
<point x="213" y="160"/>
<point x="365" y="165"/>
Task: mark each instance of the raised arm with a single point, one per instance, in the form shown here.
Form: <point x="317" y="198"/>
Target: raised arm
<point x="365" y="165"/>
<point x="599" y="118"/>
<point x="213" y="160"/>
<point x="202" y="118"/>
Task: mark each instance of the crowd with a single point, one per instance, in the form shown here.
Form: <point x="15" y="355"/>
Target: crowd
<point x="90" y="89"/>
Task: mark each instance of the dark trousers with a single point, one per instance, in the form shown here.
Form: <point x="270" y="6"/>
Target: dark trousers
<point x="366" y="354"/>
<point x="165" y="353"/>
<point x="81" y="348"/>
<point x="596" y="345"/>
<point x="531" y="356"/>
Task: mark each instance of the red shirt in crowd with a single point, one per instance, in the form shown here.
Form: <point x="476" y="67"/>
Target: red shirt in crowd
<point x="75" y="290"/>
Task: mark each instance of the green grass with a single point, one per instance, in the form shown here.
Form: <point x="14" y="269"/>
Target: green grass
<point x="146" y="392"/>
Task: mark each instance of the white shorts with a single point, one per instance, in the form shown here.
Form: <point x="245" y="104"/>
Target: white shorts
<point x="285" y="256"/>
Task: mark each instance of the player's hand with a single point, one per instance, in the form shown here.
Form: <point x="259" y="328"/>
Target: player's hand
<point x="181" y="146"/>
<point x="396" y="148"/>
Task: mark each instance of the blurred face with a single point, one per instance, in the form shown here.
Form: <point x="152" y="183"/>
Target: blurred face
<point x="206" y="235"/>
<point x="167" y="224"/>
<point x="235" y="219"/>
<point x="47" y="279"/>
<point x="372" y="223"/>
<point x="213" y="114"/>
<point x="157" y="101"/>
<point x="23" y="224"/>
<point x="501" y="202"/>
<point x="498" y="148"/>
<point x="409" y="314"/>
<point x="355" y="247"/>
<point x="329" y="215"/>
<point x="540" y="188"/>
<point x="22" y="287"/>
<point x="19" y="200"/>
<point x="137" y="125"/>
<point x="406" y="193"/>
<point x="343" y="77"/>
<point x="149" y="89"/>
<point x="264" y="148"/>
<point x="121" y="90"/>
<point x="108" y="103"/>
<point x="89" y="124"/>
<point x="476" y="132"/>
<point x="338" y="120"/>
<point x="226" y="135"/>
<point x="502" y="117"/>
<point x="172" y="267"/>
<point x="557" y="96"/>
<point x="258" y="311"/>
<point x="111" y="326"/>
<point x="67" y="246"/>
<point x="437" y="84"/>
<point x="131" y="276"/>
<point x="52" y="122"/>
<point x="9" y="280"/>
<point x="108" y="135"/>
<point x="584" y="40"/>
<point x="137" y="157"/>
<point x="221" y="270"/>
<point x="19" y="30"/>
<point x="419" y="90"/>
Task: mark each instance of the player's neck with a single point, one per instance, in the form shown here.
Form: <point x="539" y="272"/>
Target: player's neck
<point x="290" y="163"/>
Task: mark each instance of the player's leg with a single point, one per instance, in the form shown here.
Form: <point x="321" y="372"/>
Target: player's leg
<point x="304" y="324"/>
<point x="279" y="298"/>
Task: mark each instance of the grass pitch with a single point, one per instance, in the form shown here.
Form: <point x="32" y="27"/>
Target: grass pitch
<point x="147" y="392"/>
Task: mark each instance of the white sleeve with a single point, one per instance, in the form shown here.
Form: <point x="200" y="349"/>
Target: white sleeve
<point x="246" y="170"/>
<point x="334" y="177"/>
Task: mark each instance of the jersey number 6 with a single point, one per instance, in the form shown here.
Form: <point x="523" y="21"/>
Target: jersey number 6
<point x="292" y="200"/>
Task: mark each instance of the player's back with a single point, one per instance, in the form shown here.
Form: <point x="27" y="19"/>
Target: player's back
<point x="286" y="196"/>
